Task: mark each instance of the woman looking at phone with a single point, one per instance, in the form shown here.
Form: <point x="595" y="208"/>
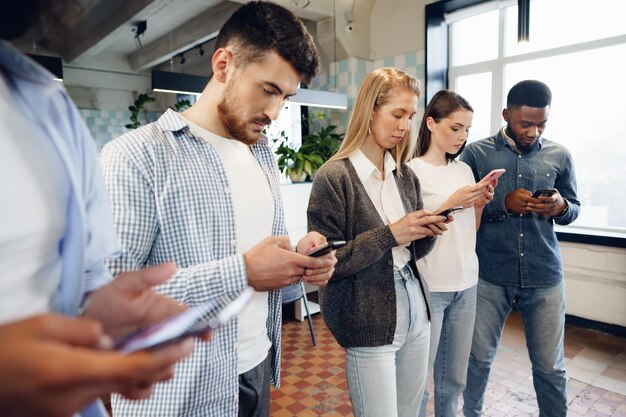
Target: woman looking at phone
<point x="375" y="304"/>
<point x="451" y="269"/>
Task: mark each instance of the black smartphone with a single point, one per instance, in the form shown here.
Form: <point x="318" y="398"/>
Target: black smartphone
<point x="191" y="322"/>
<point x="449" y="211"/>
<point x="544" y="193"/>
<point x="329" y="246"/>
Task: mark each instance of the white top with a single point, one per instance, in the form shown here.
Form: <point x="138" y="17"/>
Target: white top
<point x="384" y="195"/>
<point x="253" y="205"/>
<point x="35" y="193"/>
<point x="452" y="265"/>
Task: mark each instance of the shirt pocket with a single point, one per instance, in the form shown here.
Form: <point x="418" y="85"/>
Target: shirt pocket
<point x="544" y="179"/>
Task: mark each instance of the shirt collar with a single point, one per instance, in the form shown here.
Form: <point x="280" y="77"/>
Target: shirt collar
<point x="511" y="142"/>
<point x="366" y="168"/>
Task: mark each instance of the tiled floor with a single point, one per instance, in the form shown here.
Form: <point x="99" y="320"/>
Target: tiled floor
<point x="313" y="379"/>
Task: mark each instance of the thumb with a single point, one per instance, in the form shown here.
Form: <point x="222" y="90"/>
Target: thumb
<point x="138" y="281"/>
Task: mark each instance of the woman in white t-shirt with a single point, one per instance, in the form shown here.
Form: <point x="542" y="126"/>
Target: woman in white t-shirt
<point x="451" y="268"/>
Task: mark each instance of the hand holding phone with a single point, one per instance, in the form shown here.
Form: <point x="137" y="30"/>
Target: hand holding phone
<point x="449" y="211"/>
<point x="327" y="248"/>
<point x="493" y="175"/>
<point x="549" y="192"/>
<point x="191" y="322"/>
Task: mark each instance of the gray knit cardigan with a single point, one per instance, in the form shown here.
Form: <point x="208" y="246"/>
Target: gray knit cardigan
<point x="359" y="302"/>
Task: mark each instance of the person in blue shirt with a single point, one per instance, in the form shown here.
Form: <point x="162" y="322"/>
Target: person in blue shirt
<point x="519" y="261"/>
<point x="56" y="230"/>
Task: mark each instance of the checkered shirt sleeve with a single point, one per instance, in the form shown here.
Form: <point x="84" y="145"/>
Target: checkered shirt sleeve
<point x="171" y="202"/>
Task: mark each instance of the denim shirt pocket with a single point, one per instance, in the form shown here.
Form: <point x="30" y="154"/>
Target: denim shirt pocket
<point x="543" y="179"/>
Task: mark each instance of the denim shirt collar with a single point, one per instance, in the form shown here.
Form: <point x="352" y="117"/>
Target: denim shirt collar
<point x="501" y="142"/>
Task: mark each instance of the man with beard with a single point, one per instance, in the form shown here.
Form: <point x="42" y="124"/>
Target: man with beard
<point x="201" y="188"/>
<point x="519" y="260"/>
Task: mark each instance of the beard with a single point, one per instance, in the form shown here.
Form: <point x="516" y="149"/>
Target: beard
<point x="523" y="148"/>
<point x="236" y="127"/>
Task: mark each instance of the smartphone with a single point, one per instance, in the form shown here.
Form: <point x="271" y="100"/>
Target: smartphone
<point x="449" y="211"/>
<point x="191" y="322"/>
<point x="492" y="176"/>
<point x="544" y="193"/>
<point x="326" y="248"/>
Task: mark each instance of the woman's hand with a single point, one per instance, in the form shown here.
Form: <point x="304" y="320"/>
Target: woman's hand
<point x="417" y="225"/>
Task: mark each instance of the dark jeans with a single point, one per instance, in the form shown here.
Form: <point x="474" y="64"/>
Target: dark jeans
<point x="254" y="390"/>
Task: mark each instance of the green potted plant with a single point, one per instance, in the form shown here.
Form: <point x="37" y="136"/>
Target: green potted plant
<point x="296" y="164"/>
<point x="324" y="142"/>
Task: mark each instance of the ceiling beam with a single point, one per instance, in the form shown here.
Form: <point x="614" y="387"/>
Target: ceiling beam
<point x="200" y="29"/>
<point x="92" y="33"/>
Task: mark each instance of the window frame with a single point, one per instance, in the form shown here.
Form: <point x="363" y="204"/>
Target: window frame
<point x="437" y="76"/>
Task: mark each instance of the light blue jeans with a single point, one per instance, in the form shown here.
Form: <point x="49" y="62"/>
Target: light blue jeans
<point x="389" y="380"/>
<point x="543" y="317"/>
<point x="451" y="328"/>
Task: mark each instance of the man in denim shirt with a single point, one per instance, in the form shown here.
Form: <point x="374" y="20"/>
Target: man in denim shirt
<point x="517" y="247"/>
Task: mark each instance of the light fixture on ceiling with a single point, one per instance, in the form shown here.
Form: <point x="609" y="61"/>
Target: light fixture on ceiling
<point x="182" y="58"/>
<point x="200" y="51"/>
<point x="523" y="21"/>
<point x="173" y="82"/>
<point x="319" y="98"/>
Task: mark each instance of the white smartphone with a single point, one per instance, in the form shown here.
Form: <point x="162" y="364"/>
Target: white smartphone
<point x="493" y="175"/>
<point x="191" y="322"/>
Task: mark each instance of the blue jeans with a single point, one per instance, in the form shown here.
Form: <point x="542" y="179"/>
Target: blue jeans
<point x="543" y="317"/>
<point x="451" y="328"/>
<point x="389" y="380"/>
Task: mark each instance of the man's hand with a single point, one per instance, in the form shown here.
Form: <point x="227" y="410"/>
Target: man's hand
<point x="129" y="302"/>
<point x="549" y="206"/>
<point x="317" y="276"/>
<point x="272" y="263"/>
<point x="50" y="366"/>
<point x="417" y="225"/>
<point x="520" y="201"/>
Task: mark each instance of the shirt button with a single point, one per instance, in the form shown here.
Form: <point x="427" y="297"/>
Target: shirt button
<point x="503" y="216"/>
<point x="521" y="215"/>
<point x="520" y="175"/>
<point x="390" y="262"/>
<point x="226" y="190"/>
<point x="390" y="297"/>
<point x="519" y="156"/>
<point x="521" y="254"/>
<point x="521" y="234"/>
<point x="548" y="174"/>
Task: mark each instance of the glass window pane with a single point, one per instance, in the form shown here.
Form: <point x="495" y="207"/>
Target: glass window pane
<point x="587" y="116"/>
<point x="476" y="89"/>
<point x="557" y="23"/>
<point x="475" y="39"/>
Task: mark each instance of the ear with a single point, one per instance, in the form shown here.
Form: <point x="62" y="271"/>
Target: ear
<point x="506" y="115"/>
<point x="430" y="123"/>
<point x="220" y="63"/>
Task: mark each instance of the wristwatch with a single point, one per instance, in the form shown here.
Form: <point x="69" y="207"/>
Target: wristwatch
<point x="565" y="210"/>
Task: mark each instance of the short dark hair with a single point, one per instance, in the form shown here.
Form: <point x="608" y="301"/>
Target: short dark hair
<point x="531" y="93"/>
<point x="259" y="27"/>
<point x="442" y="105"/>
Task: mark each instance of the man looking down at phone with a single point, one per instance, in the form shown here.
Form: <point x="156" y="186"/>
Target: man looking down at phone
<point x="201" y="188"/>
<point x="517" y="247"/>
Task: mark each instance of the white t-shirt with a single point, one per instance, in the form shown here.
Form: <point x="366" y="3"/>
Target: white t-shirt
<point x="253" y="205"/>
<point x="384" y="195"/>
<point x="33" y="210"/>
<point x="452" y="265"/>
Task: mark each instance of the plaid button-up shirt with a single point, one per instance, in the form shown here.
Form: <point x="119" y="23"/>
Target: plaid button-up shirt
<point x="171" y="202"/>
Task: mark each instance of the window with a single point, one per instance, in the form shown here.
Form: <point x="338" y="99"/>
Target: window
<point x="577" y="48"/>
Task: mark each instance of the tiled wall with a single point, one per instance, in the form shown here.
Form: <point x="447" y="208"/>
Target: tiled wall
<point x="106" y="125"/>
<point x="347" y="75"/>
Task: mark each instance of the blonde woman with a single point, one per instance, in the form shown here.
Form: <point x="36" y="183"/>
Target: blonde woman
<point x="451" y="269"/>
<point x="376" y="304"/>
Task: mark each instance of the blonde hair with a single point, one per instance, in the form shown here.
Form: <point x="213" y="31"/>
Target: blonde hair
<point x="376" y="91"/>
